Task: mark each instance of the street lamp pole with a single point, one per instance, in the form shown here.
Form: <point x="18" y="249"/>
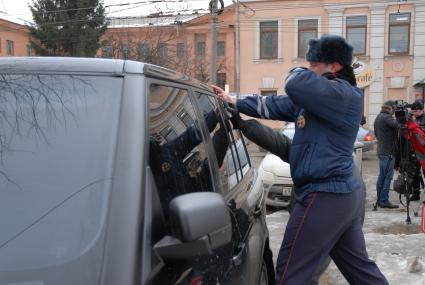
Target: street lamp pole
<point x="214" y="42"/>
<point x="238" y="51"/>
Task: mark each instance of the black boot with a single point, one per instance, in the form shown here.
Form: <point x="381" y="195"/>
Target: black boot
<point x="416" y="196"/>
<point x="387" y="204"/>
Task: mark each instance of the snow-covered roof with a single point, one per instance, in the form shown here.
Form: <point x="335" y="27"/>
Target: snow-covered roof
<point x="13" y="19"/>
<point x="143" y="21"/>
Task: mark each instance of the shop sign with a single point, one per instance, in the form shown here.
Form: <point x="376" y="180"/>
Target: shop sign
<point x="365" y="75"/>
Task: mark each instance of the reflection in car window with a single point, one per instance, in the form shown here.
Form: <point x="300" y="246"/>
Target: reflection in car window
<point x="58" y="135"/>
<point x="180" y="163"/>
<point x="239" y="151"/>
<point x="228" y="159"/>
<point x="185" y="118"/>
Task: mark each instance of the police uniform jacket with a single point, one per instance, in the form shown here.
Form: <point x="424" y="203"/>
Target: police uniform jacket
<point x="327" y="115"/>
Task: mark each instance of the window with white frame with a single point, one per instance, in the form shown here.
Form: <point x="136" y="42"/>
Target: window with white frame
<point x="269" y="39"/>
<point x="357" y="33"/>
<point x="307" y="30"/>
<point x="399" y="33"/>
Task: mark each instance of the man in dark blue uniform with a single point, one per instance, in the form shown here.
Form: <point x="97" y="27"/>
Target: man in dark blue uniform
<point x="326" y="106"/>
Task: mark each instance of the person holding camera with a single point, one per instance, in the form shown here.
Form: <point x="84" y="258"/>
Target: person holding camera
<point x="386" y="131"/>
<point x="418" y="113"/>
<point x="326" y="220"/>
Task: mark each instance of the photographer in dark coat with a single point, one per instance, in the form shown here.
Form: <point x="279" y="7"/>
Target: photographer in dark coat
<point x="325" y="103"/>
<point x="386" y="130"/>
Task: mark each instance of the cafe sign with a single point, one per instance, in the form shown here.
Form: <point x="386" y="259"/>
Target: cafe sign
<point x="365" y="78"/>
<point x="365" y="75"/>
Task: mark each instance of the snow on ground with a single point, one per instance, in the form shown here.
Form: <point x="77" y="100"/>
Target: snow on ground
<point x="386" y="241"/>
<point x="391" y="243"/>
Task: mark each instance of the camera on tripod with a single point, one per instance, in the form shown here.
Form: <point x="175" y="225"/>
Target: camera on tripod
<point x="410" y="153"/>
<point x="401" y="112"/>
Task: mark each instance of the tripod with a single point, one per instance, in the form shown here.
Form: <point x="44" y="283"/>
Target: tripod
<point x="407" y="172"/>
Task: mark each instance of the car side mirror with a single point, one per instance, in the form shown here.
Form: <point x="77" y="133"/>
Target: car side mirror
<point x="201" y="223"/>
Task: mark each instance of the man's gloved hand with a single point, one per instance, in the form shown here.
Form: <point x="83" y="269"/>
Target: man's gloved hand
<point x="235" y="117"/>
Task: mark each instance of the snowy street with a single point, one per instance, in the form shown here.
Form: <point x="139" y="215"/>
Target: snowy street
<point x="391" y="243"/>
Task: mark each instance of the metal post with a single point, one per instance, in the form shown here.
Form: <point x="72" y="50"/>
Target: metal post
<point x="214" y="42"/>
<point x="238" y="52"/>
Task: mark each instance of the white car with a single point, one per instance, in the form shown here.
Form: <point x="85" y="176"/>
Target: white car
<point x="276" y="174"/>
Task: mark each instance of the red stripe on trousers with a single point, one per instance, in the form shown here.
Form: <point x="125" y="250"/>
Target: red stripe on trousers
<point x="296" y="237"/>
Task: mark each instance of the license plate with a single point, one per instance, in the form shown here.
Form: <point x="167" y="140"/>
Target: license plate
<point x="286" y="191"/>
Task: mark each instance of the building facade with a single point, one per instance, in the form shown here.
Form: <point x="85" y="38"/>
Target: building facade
<point x="179" y="43"/>
<point x="14" y="39"/>
<point x="388" y="39"/>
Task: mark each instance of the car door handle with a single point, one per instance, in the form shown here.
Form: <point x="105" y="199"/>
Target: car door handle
<point x="238" y="257"/>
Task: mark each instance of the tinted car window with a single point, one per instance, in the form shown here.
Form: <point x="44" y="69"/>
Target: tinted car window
<point x="58" y="135"/>
<point x="240" y="150"/>
<point x="180" y="163"/>
<point x="233" y="158"/>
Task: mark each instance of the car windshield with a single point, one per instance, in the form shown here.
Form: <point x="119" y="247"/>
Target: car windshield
<point x="57" y="141"/>
<point x="362" y="133"/>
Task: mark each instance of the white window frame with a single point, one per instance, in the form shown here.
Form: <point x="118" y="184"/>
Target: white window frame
<point x="344" y="32"/>
<point x="279" y="58"/>
<point x="411" y="36"/>
<point x="319" y="33"/>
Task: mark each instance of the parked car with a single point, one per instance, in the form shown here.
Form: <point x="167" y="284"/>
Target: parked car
<point x="367" y="138"/>
<point x="111" y="173"/>
<point x="276" y="174"/>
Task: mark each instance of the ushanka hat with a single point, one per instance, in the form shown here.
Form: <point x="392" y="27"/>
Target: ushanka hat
<point x="329" y="49"/>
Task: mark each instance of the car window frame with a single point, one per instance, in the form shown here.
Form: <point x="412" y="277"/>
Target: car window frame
<point x="240" y="173"/>
<point x="205" y="139"/>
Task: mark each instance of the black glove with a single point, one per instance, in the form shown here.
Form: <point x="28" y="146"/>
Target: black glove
<point x="235" y="117"/>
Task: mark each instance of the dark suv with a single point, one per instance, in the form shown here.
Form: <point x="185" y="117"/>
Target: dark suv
<point x="119" y="172"/>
